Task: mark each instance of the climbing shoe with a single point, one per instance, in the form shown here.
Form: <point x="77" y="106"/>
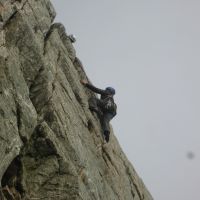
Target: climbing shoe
<point x="107" y="136"/>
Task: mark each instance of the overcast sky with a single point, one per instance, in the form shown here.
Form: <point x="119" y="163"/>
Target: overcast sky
<point x="149" y="50"/>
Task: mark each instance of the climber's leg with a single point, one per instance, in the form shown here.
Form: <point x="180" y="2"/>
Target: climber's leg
<point x="107" y="135"/>
<point x="105" y="125"/>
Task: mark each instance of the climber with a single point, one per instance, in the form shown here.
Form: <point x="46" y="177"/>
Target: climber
<point x="105" y="107"/>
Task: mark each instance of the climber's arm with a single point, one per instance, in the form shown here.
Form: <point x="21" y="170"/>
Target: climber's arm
<point x="93" y="88"/>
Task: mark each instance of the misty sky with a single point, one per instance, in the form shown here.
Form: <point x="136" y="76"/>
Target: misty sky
<point x="149" y="51"/>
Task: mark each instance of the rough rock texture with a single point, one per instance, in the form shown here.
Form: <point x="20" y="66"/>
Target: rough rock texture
<point x="51" y="144"/>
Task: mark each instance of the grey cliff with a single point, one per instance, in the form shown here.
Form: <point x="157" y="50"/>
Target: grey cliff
<point x="51" y="144"/>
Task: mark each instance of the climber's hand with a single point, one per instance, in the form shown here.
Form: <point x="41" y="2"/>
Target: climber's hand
<point x="84" y="82"/>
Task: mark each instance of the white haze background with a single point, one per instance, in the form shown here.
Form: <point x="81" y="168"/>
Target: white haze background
<point x="149" y="50"/>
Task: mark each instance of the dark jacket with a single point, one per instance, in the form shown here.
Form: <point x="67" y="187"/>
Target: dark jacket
<point x="107" y="101"/>
<point x="104" y="93"/>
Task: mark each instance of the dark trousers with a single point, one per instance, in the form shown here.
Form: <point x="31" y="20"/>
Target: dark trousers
<point x="98" y="106"/>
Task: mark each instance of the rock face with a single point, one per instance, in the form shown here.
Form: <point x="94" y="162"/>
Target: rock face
<point x="51" y="144"/>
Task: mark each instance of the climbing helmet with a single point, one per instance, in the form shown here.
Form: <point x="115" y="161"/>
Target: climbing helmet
<point x="111" y="90"/>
